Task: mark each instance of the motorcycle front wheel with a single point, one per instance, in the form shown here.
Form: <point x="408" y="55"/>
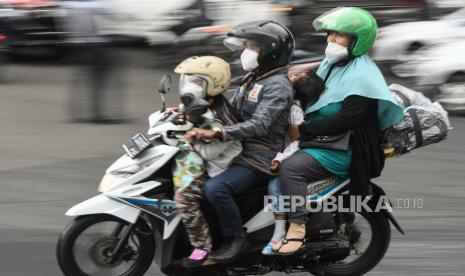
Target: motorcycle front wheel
<point x="84" y="248"/>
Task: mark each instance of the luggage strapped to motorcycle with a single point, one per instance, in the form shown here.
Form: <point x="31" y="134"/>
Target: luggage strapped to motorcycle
<point x="413" y="115"/>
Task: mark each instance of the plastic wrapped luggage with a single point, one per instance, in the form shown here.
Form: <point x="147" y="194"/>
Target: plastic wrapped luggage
<point x="424" y="122"/>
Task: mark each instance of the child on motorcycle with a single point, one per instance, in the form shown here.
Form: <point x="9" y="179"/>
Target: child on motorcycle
<point x="308" y="87"/>
<point x="203" y="80"/>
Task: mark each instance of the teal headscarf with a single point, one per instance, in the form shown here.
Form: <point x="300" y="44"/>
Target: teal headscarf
<point x="360" y="77"/>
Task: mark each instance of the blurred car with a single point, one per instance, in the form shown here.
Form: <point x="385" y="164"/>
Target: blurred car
<point x="182" y="28"/>
<point x="398" y="41"/>
<point x="385" y="11"/>
<point x="448" y="4"/>
<point x="440" y="70"/>
<point x="187" y="21"/>
<point x="30" y="25"/>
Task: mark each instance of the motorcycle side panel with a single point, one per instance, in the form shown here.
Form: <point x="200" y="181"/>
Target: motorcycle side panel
<point x="125" y="162"/>
<point x="155" y="118"/>
<point x="102" y="204"/>
<point x="159" y="155"/>
<point x="330" y="188"/>
<point x="162" y="209"/>
<point x="132" y="190"/>
<point x="261" y="220"/>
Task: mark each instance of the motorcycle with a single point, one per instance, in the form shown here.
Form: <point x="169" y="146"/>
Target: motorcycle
<point x="134" y="220"/>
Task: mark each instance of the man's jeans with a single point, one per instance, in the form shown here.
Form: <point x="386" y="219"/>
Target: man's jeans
<point x="220" y="190"/>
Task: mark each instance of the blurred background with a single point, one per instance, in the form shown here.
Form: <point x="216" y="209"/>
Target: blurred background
<point x="419" y="41"/>
<point x="78" y="78"/>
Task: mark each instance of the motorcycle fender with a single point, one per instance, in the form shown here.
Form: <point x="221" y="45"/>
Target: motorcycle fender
<point x="378" y="191"/>
<point x="102" y="204"/>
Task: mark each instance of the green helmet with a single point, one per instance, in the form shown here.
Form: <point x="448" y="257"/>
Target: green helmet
<point x="352" y="21"/>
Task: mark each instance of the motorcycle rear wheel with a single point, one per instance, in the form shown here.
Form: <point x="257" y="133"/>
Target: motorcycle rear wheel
<point x="373" y="254"/>
<point x="96" y="254"/>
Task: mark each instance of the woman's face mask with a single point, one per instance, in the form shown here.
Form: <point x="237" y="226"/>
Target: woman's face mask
<point x="249" y="60"/>
<point x="335" y="52"/>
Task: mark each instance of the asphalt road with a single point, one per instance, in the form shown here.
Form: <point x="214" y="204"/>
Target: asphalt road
<point x="48" y="165"/>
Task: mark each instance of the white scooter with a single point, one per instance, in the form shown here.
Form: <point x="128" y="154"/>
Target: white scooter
<point x="134" y="221"/>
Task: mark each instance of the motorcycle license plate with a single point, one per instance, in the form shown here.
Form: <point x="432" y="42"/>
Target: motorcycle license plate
<point x="137" y="144"/>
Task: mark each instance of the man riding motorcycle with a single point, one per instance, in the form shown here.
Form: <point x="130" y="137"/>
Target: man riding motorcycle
<point x="263" y="102"/>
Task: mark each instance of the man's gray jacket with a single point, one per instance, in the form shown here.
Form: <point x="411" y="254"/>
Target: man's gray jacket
<point x="264" y="106"/>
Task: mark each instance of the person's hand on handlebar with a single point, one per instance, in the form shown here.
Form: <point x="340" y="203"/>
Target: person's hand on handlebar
<point x="196" y="134"/>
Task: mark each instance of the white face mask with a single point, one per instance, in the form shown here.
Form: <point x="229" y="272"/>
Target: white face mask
<point x="249" y="60"/>
<point x="335" y="52"/>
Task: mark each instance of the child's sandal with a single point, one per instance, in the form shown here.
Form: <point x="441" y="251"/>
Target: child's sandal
<point x="196" y="259"/>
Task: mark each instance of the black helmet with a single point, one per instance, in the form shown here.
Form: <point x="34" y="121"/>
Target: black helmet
<point x="277" y="40"/>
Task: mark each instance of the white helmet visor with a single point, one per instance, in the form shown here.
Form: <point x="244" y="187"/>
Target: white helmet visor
<point x="194" y="85"/>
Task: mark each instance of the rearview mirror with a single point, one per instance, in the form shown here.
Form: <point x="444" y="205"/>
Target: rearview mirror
<point x="166" y="84"/>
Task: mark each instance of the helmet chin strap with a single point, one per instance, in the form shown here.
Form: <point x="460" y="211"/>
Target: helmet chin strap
<point x="263" y="67"/>
<point x="353" y="41"/>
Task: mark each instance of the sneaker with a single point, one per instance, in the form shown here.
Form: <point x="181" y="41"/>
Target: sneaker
<point x="268" y="249"/>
